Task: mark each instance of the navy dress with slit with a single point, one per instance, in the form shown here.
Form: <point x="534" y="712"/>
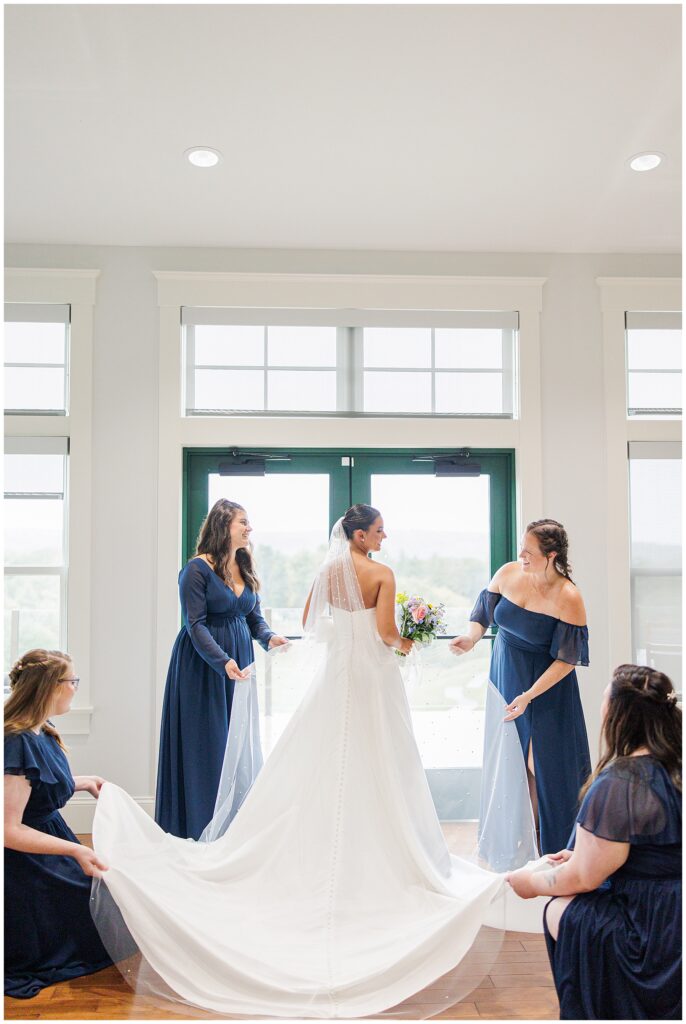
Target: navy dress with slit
<point x="49" y="932"/>
<point x="218" y="626"/>
<point x="526" y="645"/>
<point x="618" y="951"/>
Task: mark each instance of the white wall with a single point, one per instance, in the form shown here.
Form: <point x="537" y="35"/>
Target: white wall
<point x="125" y="450"/>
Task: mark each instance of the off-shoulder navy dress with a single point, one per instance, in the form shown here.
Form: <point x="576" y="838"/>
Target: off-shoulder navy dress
<point x="49" y="933"/>
<point x="526" y="645"/>
<point x="218" y="626"/>
<point x="618" y="950"/>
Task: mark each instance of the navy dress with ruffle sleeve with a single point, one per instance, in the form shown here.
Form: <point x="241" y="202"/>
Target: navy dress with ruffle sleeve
<point x="526" y="645"/>
<point x="618" y="951"/>
<point x="218" y="626"/>
<point x="49" y="932"/>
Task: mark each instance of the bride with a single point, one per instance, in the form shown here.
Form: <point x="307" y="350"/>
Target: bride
<point x="332" y="893"/>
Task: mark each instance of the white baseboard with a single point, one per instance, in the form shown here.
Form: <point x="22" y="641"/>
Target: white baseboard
<point x="80" y="811"/>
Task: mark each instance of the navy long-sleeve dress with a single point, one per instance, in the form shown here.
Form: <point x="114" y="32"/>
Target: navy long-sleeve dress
<point x="618" y="950"/>
<point x="218" y="626"/>
<point x="49" y="933"/>
<point x="526" y="645"/>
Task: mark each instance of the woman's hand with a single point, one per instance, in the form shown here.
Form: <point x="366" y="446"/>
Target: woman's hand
<point x="561" y="857"/>
<point x="89" y="862"/>
<point x="461" y="644"/>
<point x="234" y="672"/>
<point x="517" y="707"/>
<point x="90" y="784"/>
<point x="277" y="641"/>
<point x="405" y="646"/>
<point x="522" y="883"/>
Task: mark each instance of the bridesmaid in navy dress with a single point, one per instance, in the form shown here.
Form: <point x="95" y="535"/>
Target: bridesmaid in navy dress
<point x="49" y="933"/>
<point x="221" y="613"/>
<point x="542" y="635"/>
<point x="615" y="948"/>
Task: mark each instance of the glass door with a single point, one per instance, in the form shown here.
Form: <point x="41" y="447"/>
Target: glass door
<point x="450" y="524"/>
<point x="292" y="501"/>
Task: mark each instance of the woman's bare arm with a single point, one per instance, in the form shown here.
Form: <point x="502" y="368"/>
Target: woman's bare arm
<point x="25" y="839"/>
<point x="385" y="613"/>
<point x="592" y="861"/>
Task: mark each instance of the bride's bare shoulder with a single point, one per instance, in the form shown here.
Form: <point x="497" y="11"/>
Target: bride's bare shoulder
<point x="383" y="573"/>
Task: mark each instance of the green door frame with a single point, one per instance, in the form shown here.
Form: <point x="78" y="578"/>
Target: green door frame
<point x="351" y="483"/>
<point x="455" y="790"/>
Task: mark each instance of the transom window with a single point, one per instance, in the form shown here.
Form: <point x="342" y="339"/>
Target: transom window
<point x="653" y="359"/>
<point x="36" y="359"/>
<point x="349" y="362"/>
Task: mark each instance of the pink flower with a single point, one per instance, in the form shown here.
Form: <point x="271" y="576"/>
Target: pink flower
<point x="420" y="613"/>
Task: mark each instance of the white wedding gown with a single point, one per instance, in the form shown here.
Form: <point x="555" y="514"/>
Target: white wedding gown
<point x="332" y="894"/>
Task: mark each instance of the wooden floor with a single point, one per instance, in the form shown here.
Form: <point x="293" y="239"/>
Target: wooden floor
<point x="519" y="985"/>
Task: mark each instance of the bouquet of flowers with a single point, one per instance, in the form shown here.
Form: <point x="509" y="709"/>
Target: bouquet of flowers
<point x="419" y="620"/>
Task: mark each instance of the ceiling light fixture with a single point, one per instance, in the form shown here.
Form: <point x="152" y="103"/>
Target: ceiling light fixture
<point x="645" y="161"/>
<point x="203" y="156"/>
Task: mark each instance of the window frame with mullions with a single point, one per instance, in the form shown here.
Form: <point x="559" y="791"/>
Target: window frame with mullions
<point x="27" y="447"/>
<point x="41" y="313"/>
<point x="653" y="321"/>
<point x="350" y="368"/>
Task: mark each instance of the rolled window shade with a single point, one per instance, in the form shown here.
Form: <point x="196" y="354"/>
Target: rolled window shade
<point x="194" y="316"/>
<point x="36" y="313"/>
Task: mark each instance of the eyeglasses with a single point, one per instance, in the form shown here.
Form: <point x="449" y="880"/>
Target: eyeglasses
<point x="74" y="682"/>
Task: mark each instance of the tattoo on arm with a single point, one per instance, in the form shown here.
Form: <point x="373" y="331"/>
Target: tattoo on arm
<point x="550" y="877"/>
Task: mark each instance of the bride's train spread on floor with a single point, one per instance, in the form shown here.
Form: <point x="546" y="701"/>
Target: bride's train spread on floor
<point x="332" y="893"/>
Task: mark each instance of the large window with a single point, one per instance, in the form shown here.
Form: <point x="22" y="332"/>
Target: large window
<point x="655" y="481"/>
<point x="35" y="544"/>
<point x="353" y="362"/>
<point x="36" y="359"/>
<point x="653" y="359"/>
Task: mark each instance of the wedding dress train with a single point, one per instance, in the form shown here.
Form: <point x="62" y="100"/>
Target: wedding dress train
<point x="332" y="893"/>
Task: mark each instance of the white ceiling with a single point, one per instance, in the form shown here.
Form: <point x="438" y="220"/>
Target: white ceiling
<point x="456" y="127"/>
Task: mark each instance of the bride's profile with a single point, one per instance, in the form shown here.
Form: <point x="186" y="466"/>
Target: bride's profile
<point x="332" y="893"/>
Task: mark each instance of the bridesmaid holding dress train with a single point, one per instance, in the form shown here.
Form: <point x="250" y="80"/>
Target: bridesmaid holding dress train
<point x="49" y="933"/>
<point x="542" y="635"/>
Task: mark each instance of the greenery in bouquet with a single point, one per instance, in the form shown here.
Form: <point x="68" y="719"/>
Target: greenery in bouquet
<point x="419" y="620"/>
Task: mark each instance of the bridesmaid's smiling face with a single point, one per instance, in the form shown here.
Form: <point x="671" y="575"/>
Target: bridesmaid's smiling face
<point x="531" y="558"/>
<point x="240" y="530"/>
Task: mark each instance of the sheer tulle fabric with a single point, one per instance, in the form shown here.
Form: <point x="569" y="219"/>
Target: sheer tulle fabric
<point x="332" y="893"/>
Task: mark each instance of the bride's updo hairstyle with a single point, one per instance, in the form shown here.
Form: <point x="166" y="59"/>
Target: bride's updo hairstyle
<point x="552" y="537"/>
<point x="359" y="517"/>
<point x="214" y="540"/>
<point x="642" y="712"/>
<point x="33" y="680"/>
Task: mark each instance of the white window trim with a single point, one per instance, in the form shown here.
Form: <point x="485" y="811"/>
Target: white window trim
<point x="77" y="289"/>
<point x="619" y="296"/>
<point x="177" y="289"/>
<point x="349" y="368"/>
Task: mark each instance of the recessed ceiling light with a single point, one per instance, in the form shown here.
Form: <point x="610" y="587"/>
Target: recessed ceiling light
<point x="203" y="156"/>
<point x="645" y="161"/>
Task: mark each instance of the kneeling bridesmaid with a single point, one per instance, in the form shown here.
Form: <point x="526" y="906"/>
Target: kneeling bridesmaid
<point x="613" y="927"/>
<point x="49" y="933"/>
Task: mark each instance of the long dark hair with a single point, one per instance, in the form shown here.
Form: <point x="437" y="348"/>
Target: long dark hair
<point x="359" y="517"/>
<point x="33" y="681"/>
<point x="552" y="536"/>
<point x="642" y="712"/>
<point x="214" y="540"/>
